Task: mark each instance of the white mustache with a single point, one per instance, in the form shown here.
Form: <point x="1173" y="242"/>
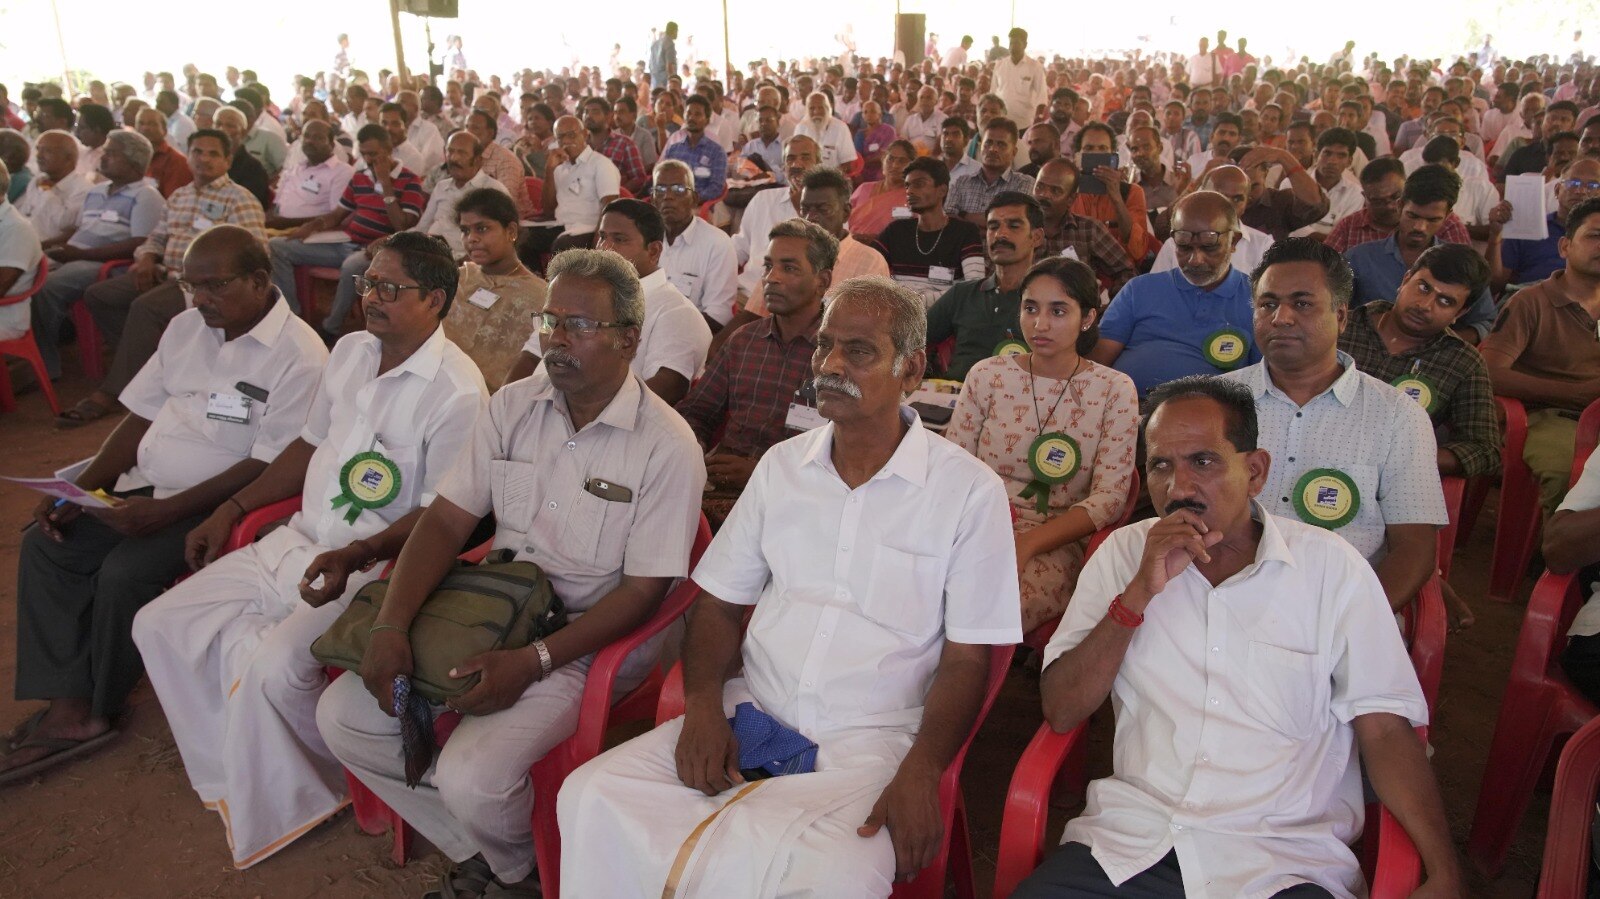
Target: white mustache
<point x="562" y="357"/>
<point x="838" y="384"/>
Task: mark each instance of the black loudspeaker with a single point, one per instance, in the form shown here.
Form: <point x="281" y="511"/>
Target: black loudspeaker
<point x="434" y="9"/>
<point x="911" y="36"/>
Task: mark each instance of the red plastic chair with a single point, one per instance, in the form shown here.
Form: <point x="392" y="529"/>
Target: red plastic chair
<point x="1540" y="707"/>
<point x="91" y="345"/>
<point x="534" y="185"/>
<point x="304" y="276"/>
<point x="1427" y="623"/>
<point x="25" y="347"/>
<point x="1039" y="637"/>
<point x="955" y="851"/>
<point x="1389" y="859"/>
<point x="1565" y="873"/>
<point x="1455" y="491"/>
<point x="247" y="527"/>
<point x="1516" y="530"/>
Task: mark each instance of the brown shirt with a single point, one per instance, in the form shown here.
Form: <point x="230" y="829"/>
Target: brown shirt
<point x="1548" y="334"/>
<point x="494" y="336"/>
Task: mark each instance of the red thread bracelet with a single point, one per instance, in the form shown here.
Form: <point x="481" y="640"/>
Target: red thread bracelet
<point x="1123" y="615"/>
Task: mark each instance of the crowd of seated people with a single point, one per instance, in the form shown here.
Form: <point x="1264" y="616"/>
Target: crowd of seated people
<point x="1261" y="307"/>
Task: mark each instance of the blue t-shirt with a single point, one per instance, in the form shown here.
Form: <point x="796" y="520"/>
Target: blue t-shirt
<point x="1164" y="323"/>
<point x="1379" y="271"/>
<point x="1534" y="260"/>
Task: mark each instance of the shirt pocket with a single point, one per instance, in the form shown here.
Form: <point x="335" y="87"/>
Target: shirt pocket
<point x="598" y="528"/>
<point x="408" y="461"/>
<point x="905" y="592"/>
<point x="233" y="437"/>
<point x="512" y="487"/>
<point x="1283" y="689"/>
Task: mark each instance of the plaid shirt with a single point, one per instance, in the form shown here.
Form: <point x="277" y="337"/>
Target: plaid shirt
<point x="190" y="208"/>
<point x="1094" y="246"/>
<point x="972" y="193"/>
<point x="748" y="387"/>
<point x="625" y="153"/>
<point x="1357" y="228"/>
<point x="1464" y="415"/>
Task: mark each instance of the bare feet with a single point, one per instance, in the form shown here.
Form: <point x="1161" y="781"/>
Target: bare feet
<point x="1459" y="613"/>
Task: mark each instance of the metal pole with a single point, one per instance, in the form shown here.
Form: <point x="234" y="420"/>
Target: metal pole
<point x="61" y="45"/>
<point x="896" y="31"/>
<point x="399" y="44"/>
<point x="727" y="56"/>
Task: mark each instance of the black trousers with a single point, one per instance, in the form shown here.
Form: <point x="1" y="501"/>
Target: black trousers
<point x="1581" y="662"/>
<point x="75" y="606"/>
<point x="1071" y="872"/>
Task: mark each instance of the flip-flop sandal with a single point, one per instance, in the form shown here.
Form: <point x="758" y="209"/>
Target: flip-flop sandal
<point x="85" y="411"/>
<point x="23" y="731"/>
<point x="61" y="750"/>
<point x="472" y="876"/>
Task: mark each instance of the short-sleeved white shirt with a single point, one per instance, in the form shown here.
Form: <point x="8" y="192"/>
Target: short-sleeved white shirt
<point x="1370" y="431"/>
<point x="702" y="264"/>
<point x="855" y="591"/>
<point x="580" y="185"/>
<point x="19" y="249"/>
<point x="674" y="335"/>
<point x="767" y="208"/>
<point x="439" y="218"/>
<point x="306" y="191"/>
<point x="54" y="209"/>
<point x="1583" y="496"/>
<point x="833" y="139"/>
<point x="1234" y="704"/>
<point x="184" y="445"/>
<point x="418" y="415"/>
<point x="526" y="463"/>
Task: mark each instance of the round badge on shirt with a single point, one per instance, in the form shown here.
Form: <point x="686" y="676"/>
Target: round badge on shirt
<point x="1226" y="348"/>
<point x="1418" y="388"/>
<point x="368" y="481"/>
<point x="1011" y="346"/>
<point x="1327" y="498"/>
<point x="1053" y="458"/>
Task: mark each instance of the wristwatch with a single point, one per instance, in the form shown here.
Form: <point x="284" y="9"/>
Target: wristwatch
<point x="390" y="199"/>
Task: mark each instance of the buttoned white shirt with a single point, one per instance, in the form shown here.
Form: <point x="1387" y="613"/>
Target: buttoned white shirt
<point x="855" y="591"/>
<point x="419" y="415"/>
<point x="409" y="156"/>
<point x="1021" y="85"/>
<point x="554" y="491"/>
<point x="306" y="191"/>
<point x="179" y="127"/>
<point x="54" y="209"/>
<point x="1471" y="166"/>
<point x="838" y="148"/>
<point x="580" y="185"/>
<point x="702" y="263"/>
<point x="425" y="136"/>
<point x="1253" y="244"/>
<point x="1234" y="706"/>
<point x="1377" y="436"/>
<point x="190" y="440"/>
<point x="1202" y="69"/>
<point x="923" y="132"/>
<point x="767" y="208"/>
<point x="675" y="335"/>
<point x="19" y="249"/>
<point x="439" y="218"/>
<point x="1343" y="199"/>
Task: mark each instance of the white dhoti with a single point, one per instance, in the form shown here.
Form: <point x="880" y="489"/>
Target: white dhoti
<point x="477" y="798"/>
<point x="630" y="828"/>
<point x="229" y="653"/>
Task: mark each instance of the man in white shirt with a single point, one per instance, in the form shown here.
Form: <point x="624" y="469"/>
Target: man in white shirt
<point x="20" y="256"/>
<point x="768" y="208"/>
<point x="1252" y="243"/>
<point x="464" y="165"/>
<point x="1446" y="126"/>
<point x="311" y="186"/>
<point x="421" y="133"/>
<point x="957" y="57"/>
<point x="392" y="116"/>
<point x="1336" y="148"/>
<point x="1202" y="67"/>
<point x="95" y="122"/>
<point x="1018" y="80"/>
<point x="226" y="391"/>
<point x="1353" y="454"/>
<point x="578" y="183"/>
<point x="1246" y="656"/>
<point x="698" y="258"/>
<point x="833" y="138"/>
<point x="55" y="196"/>
<point x="1501" y="115"/>
<point x="922" y="126"/>
<point x="870" y="640"/>
<point x="1569" y="545"/>
<point x="229" y="650"/>
<point x="597" y="480"/>
<point x="179" y="126"/>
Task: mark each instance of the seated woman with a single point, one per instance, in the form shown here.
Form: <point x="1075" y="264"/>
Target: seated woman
<point x="1059" y="429"/>
<point x="872" y="205"/>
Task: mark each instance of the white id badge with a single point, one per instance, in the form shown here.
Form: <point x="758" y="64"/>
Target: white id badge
<point x="803" y="418"/>
<point x="228" y="407"/>
<point x="1070" y="253"/>
<point x="483" y="298"/>
<point x="311" y="186"/>
<point x="702" y="171"/>
<point x="941" y="274"/>
<point x="872" y="148"/>
<point x="202" y="223"/>
<point x="109" y="215"/>
<point x="902" y="212"/>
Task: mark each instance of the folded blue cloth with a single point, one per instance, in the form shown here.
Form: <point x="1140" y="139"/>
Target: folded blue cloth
<point x="766" y="744"/>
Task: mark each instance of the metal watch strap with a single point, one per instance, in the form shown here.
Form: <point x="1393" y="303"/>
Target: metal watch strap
<point x="546" y="664"/>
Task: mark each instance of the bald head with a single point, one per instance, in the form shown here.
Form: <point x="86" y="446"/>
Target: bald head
<point x="1205" y="210"/>
<point x="231" y="276"/>
<point x="1231" y="182"/>
<point x="1205" y="227"/>
<point x="57" y="154"/>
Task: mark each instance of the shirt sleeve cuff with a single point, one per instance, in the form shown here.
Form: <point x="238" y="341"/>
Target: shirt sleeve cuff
<point x="1003" y="636"/>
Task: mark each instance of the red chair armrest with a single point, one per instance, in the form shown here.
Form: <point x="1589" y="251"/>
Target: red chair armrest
<point x="1399" y="868"/>
<point x="1027" y="809"/>
<point x="1566" y="845"/>
<point x="38" y="283"/>
<point x="246" y="528"/>
<point x="1516" y="420"/>
<point x="112" y="267"/>
<point x="670" y="705"/>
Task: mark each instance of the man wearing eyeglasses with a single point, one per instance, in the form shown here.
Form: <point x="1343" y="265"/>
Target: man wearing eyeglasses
<point x="578" y="183"/>
<point x="1383" y="187"/>
<point x="229" y="650"/>
<point x="698" y="257"/>
<point x="1252" y="243"/>
<point x="1528" y="261"/>
<point x="595" y="478"/>
<point x="1191" y="320"/>
<point x="224" y="394"/>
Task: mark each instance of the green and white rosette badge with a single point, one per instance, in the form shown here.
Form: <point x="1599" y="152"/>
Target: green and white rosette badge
<point x="1415" y="385"/>
<point x="1053" y="458"/>
<point x="1011" y="346"/>
<point x="368" y="481"/>
<point x="1327" y="498"/>
<point x="1226" y="348"/>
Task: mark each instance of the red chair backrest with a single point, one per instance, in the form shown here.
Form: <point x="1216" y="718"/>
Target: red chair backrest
<point x="1565" y="873"/>
<point x="38" y="282"/>
<point x="1588" y="435"/>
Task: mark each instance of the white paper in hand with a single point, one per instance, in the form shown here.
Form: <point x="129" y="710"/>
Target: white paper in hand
<point x="1525" y="193"/>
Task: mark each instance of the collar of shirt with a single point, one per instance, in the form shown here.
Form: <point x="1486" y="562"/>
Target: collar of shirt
<point x="584" y="156"/>
<point x="768" y="328"/>
<point x="1366" y="316"/>
<point x="270" y="328"/>
<point x="1344" y="387"/>
<point x="909" y="462"/>
<point x="424" y="362"/>
<point x="690" y="234"/>
<point x="622" y="412"/>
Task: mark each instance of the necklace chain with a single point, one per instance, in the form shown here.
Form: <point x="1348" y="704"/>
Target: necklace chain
<point x="1033" y="394"/>
<point x="916" y="236"/>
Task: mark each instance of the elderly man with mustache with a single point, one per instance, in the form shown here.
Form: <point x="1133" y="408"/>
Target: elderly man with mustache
<point x="463" y="160"/>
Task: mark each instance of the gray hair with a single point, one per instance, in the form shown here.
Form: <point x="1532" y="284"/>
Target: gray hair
<point x="133" y="145"/>
<point x="627" y="296"/>
<point x="230" y="112"/>
<point x="908" y="317"/>
<point x="675" y="165"/>
<point x="822" y="248"/>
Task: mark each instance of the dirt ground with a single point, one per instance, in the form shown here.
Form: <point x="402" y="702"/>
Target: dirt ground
<point x="124" y="823"/>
